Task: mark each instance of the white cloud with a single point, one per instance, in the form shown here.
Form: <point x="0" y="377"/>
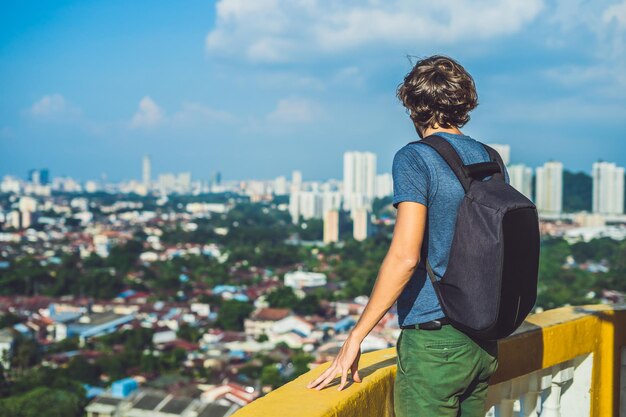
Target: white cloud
<point x="559" y="110"/>
<point x="617" y="13"/>
<point x="603" y="21"/>
<point x="193" y="113"/>
<point x="283" y="30"/>
<point x="148" y="115"/>
<point x="349" y="76"/>
<point x="292" y="111"/>
<point x="53" y="106"/>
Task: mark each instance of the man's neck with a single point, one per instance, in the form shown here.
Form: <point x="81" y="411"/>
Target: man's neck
<point x="432" y="130"/>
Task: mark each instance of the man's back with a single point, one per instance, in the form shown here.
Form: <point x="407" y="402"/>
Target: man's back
<point x="421" y="175"/>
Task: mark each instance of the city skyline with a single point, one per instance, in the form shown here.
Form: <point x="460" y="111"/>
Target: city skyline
<point x="146" y="166"/>
<point x="90" y="87"/>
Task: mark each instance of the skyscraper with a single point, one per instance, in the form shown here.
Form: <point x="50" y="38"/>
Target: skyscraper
<point x="608" y="188"/>
<point x="549" y="187"/>
<point x="280" y="186"/>
<point x="361" y="224"/>
<point x="147" y="171"/>
<point x="296" y="181"/>
<point x="39" y="176"/>
<point x="520" y="177"/>
<point x="44" y="176"/>
<point x="331" y="226"/>
<point x="359" y="179"/>
<point x="384" y="185"/>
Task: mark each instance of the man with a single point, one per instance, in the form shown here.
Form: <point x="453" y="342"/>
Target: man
<point x="441" y="371"/>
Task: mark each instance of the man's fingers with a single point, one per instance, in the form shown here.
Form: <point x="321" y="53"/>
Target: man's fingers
<point x="354" y="369"/>
<point x="323" y="376"/>
<point x="326" y="381"/>
<point x="344" y="379"/>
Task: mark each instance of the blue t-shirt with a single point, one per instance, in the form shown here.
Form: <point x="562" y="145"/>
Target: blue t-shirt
<point x="422" y="176"/>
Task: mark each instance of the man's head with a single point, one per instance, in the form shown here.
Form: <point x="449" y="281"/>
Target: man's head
<point x="438" y="92"/>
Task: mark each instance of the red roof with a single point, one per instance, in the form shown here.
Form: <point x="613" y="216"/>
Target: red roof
<point x="181" y="344"/>
<point x="271" y="314"/>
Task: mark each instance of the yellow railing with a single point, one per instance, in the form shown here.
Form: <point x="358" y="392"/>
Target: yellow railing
<point x="545" y="340"/>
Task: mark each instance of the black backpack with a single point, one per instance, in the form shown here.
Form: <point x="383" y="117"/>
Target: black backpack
<point x="490" y="283"/>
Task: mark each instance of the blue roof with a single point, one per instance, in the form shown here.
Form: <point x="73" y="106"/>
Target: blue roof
<point x="123" y="387"/>
<point x="92" y="391"/>
<point x="344" y="323"/>
<point x="21" y="328"/>
<point x="63" y="317"/>
<point x="240" y="297"/>
<point x="237" y="353"/>
<point x="126" y="294"/>
<point x="223" y="288"/>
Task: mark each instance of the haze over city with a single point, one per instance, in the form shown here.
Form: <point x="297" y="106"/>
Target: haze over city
<point x="259" y="89"/>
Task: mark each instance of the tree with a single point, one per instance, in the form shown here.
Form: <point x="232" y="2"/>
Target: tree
<point x="79" y="369"/>
<point x="301" y="363"/>
<point x="8" y="319"/>
<point x="26" y="353"/>
<point x="42" y="401"/>
<point x="189" y="333"/>
<point x="123" y="257"/>
<point x="310" y="304"/>
<point x="232" y="314"/>
<point x="282" y="297"/>
<point x="270" y="375"/>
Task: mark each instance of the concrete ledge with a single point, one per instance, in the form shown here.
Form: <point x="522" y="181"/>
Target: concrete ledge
<point x="544" y="340"/>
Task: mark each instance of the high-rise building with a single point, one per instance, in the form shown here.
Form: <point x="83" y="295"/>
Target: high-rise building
<point x="359" y="179"/>
<point x="310" y="204"/>
<point x="384" y="185"/>
<point x="39" y="176"/>
<point x="503" y="150"/>
<point x="296" y="181"/>
<point x="331" y="226"/>
<point x="280" y="186"/>
<point x="147" y="171"/>
<point x="361" y="224"/>
<point x="180" y="183"/>
<point x="294" y="207"/>
<point x="521" y="177"/>
<point x="44" y="176"/>
<point x="549" y="187"/>
<point x="331" y="200"/>
<point x="215" y="182"/>
<point x="33" y="176"/>
<point x="608" y="188"/>
<point x="27" y="207"/>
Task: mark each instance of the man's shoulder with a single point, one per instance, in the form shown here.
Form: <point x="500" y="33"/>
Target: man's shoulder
<point x="416" y="151"/>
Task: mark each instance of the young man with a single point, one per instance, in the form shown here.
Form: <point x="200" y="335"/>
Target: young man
<point x="441" y="372"/>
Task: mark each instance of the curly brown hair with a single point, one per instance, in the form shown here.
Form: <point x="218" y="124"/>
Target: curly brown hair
<point x="438" y="92"/>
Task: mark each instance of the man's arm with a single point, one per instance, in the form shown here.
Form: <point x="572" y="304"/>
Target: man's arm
<point x="401" y="260"/>
<point x="396" y="269"/>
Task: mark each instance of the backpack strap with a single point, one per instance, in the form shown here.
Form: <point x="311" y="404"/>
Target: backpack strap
<point x="449" y="154"/>
<point x="495" y="156"/>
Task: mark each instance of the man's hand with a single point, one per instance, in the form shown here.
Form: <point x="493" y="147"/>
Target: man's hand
<point x="395" y="272"/>
<point x="347" y="360"/>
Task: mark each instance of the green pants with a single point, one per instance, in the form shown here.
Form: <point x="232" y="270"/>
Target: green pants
<point x="442" y="373"/>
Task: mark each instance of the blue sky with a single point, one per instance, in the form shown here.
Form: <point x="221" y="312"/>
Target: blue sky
<point x="255" y="89"/>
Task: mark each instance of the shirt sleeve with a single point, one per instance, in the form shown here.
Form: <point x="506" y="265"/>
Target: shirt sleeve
<point x="411" y="178"/>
